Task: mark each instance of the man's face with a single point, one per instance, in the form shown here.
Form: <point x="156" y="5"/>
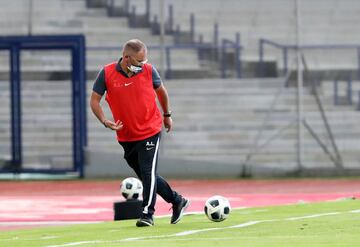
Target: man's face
<point x="135" y="61"/>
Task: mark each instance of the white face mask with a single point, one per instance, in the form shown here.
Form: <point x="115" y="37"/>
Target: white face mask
<point x="134" y="69"/>
<point x="137" y="69"/>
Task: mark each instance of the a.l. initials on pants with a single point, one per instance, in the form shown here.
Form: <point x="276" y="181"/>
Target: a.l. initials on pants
<point x="150" y="145"/>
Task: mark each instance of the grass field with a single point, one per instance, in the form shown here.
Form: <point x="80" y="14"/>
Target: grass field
<point x="318" y="224"/>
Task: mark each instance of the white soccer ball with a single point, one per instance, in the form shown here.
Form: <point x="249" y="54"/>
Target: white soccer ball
<point x="131" y="188"/>
<point x="217" y="208"/>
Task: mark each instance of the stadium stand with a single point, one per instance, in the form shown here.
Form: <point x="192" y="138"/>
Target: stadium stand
<point x="216" y="120"/>
<point x="322" y="21"/>
<point x="4" y="123"/>
<point x="104" y="36"/>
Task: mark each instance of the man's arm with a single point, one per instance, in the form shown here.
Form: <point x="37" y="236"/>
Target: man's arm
<point x="96" y="107"/>
<point x="163" y="98"/>
<point x="99" y="113"/>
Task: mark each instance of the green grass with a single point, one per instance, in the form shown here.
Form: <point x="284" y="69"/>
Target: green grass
<point x="331" y="224"/>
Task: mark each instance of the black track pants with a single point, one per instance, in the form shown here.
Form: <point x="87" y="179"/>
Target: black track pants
<point x="142" y="157"/>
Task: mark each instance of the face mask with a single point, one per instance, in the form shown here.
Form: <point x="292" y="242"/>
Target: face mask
<point x="137" y="69"/>
<point x="134" y="69"/>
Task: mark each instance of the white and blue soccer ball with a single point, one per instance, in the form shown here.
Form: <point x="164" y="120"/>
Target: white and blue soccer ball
<point x="131" y="188"/>
<point x="217" y="208"/>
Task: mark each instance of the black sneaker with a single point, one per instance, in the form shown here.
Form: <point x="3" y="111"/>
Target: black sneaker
<point x="145" y="221"/>
<point x="178" y="210"/>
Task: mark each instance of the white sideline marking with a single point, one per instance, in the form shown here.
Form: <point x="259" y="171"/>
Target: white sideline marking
<point x="193" y="232"/>
<point x="49" y="237"/>
<point x="250" y="223"/>
<point x="185" y="233"/>
<point x="30" y="239"/>
<point x="186" y="213"/>
<point x="355" y="211"/>
<point x="31" y="223"/>
<point x="81" y="243"/>
<point x="311" y="216"/>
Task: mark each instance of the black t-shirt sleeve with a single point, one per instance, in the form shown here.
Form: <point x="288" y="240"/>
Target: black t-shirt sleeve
<point x="99" y="84"/>
<point x="155" y="78"/>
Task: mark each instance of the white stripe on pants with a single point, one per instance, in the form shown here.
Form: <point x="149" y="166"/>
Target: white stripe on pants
<point x="153" y="178"/>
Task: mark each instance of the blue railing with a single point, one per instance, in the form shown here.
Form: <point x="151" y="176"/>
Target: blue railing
<point x="285" y="49"/>
<point x="348" y="97"/>
<point x="348" y="93"/>
<point x="169" y="23"/>
<point x="76" y="45"/>
<point x="154" y="24"/>
<point x="218" y="49"/>
<point x="112" y="9"/>
<point x="226" y="44"/>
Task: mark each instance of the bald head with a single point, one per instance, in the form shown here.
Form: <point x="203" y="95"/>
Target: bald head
<point x="134" y="46"/>
<point x="134" y="54"/>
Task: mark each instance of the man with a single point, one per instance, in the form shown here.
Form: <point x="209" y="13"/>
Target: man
<point x="131" y="86"/>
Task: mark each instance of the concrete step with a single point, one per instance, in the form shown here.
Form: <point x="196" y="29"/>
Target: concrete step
<point x="194" y="116"/>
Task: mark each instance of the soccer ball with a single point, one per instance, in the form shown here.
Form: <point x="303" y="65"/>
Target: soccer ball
<point x="217" y="208"/>
<point x="131" y="188"/>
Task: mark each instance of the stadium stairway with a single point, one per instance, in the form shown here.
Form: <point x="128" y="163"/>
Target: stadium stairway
<point x="215" y="124"/>
<point x="104" y="37"/>
<point x="322" y="22"/>
<point x="216" y="120"/>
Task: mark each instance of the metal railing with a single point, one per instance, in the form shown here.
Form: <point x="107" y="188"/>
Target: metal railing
<point x="286" y="48"/>
<point x="76" y="45"/>
<point x="226" y="44"/>
<point x="285" y="54"/>
<point x="348" y="97"/>
<point x="182" y="39"/>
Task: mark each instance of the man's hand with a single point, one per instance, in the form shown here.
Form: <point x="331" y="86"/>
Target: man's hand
<point x="168" y="123"/>
<point x="114" y="126"/>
